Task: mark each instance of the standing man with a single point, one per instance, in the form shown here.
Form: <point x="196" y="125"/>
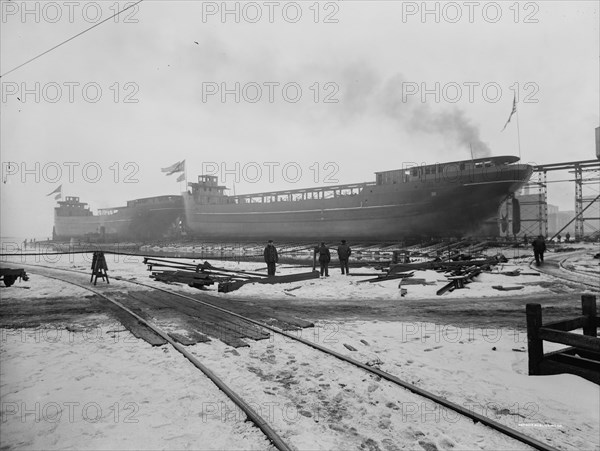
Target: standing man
<point x="324" y="259"/>
<point x="539" y="247"/>
<point x="271" y="258"/>
<point x="344" y="252"/>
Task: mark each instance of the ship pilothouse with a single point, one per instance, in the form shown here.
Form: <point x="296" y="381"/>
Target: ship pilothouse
<point x="208" y="190"/>
<point x="71" y="206"/>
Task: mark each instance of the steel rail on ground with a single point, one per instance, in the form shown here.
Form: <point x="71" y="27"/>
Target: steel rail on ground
<point x="545" y="270"/>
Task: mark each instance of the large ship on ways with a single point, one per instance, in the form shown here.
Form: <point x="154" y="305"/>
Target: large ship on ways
<point x="439" y="200"/>
<point x="145" y="219"/>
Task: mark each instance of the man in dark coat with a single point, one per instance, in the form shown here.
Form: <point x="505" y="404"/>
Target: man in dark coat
<point x="324" y="259"/>
<point x="539" y="247"/>
<point x="271" y="258"/>
<point x="344" y="252"/>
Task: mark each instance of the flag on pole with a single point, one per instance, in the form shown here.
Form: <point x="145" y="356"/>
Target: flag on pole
<point x="177" y="167"/>
<point x="57" y="190"/>
<point x="514" y="110"/>
<point x="181" y="177"/>
<point x="58" y="196"/>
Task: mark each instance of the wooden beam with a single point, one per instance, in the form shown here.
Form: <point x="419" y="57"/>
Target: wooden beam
<point x="570" y="339"/>
<point x="581" y="362"/>
<point x="226" y="287"/>
<point x="567" y="324"/>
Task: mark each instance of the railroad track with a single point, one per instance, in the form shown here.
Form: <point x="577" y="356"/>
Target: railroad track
<point x="555" y="267"/>
<point x="245" y="406"/>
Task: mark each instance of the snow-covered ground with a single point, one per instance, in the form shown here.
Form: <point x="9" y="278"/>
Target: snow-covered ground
<point x="100" y="388"/>
<point x="103" y="389"/>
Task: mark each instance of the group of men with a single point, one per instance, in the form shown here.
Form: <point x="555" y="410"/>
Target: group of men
<point x="344" y="252"/>
<point x="271" y="257"/>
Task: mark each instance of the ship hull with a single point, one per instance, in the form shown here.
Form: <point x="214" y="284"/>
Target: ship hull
<point x="139" y="223"/>
<point x="430" y="208"/>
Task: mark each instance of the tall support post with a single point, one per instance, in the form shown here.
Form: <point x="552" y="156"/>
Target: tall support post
<point x="578" y="202"/>
<point x="508" y="203"/>
<point x="543" y="204"/>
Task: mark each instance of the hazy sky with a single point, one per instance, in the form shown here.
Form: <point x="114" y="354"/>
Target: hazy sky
<point x="308" y="92"/>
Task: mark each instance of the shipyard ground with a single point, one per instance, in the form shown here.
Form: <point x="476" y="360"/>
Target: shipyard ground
<point x="62" y="346"/>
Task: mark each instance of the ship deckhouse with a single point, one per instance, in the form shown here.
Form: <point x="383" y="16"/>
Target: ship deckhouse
<point x="491" y="166"/>
<point x="71" y="206"/>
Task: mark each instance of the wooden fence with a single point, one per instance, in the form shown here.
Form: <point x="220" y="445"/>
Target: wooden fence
<point x="582" y="357"/>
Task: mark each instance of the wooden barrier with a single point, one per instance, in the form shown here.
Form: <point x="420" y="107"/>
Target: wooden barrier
<point x="582" y="357"/>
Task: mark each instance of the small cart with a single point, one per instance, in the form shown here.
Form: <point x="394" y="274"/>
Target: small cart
<point x="10" y="275"/>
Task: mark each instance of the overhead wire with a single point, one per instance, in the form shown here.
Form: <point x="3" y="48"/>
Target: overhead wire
<point x="71" y="38"/>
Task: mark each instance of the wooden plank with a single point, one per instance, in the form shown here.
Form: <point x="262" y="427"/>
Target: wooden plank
<point x="384" y="277"/>
<point x="581" y="362"/>
<point x="141" y="331"/>
<point x="501" y="288"/>
<point x="567" y="324"/>
<point x="226" y="287"/>
<point x="548" y="367"/>
<point x="579" y="341"/>
<point x="448" y="287"/>
<point x="411" y="281"/>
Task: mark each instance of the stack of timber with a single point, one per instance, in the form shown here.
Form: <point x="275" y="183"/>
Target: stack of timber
<point x="483" y="263"/>
<point x="458" y="273"/>
<point x="204" y="274"/>
<point x="459" y="278"/>
<point x="194" y="275"/>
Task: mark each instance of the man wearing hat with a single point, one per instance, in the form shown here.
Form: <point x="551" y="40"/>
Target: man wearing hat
<point x="324" y="258"/>
<point x="271" y="258"/>
<point x="344" y="252"/>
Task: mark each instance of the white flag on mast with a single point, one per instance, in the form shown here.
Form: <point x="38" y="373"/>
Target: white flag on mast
<point x="176" y="167"/>
<point x="57" y="190"/>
